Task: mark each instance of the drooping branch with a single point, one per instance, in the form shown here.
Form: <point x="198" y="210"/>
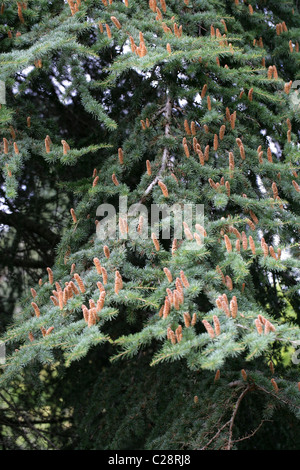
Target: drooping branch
<point x="17" y="220"/>
<point x="24" y="262"/>
<point x="28" y="424"/>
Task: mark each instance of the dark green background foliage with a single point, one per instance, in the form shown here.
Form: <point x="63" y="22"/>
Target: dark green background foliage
<point x="121" y="383"/>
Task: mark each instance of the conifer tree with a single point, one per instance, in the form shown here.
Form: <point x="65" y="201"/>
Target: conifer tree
<point x="161" y="342"/>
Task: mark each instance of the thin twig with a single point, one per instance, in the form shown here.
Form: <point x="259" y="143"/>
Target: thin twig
<point x="165" y="157"/>
<point x="253" y="432"/>
<point x="274" y="395"/>
<point x="244" y="392"/>
<point x="216" y="435"/>
<point x="27" y="421"/>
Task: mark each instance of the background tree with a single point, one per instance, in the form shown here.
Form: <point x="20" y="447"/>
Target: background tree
<point x="151" y="343"/>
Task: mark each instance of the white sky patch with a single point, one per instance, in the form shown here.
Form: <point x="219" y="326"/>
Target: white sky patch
<point x="182" y="102"/>
<point x="126" y="48"/>
<point x="274" y="146"/>
<point x="61" y="90"/>
<point x="260" y="184"/>
<point x="25" y="73"/>
<point x="4" y="208"/>
<point x="182" y="76"/>
<point x="198" y="98"/>
<point x="140" y="72"/>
